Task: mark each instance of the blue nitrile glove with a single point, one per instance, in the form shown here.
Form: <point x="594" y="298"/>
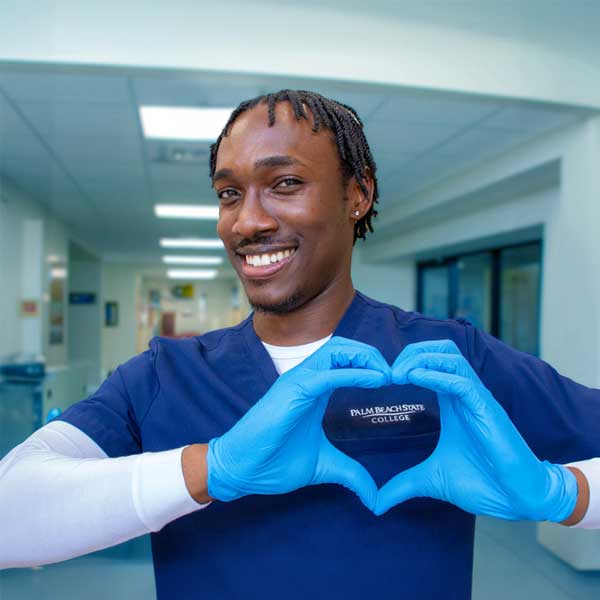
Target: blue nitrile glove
<point x="481" y="463"/>
<point x="279" y="445"/>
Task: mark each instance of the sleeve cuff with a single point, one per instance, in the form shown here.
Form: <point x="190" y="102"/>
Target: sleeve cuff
<point x="591" y="470"/>
<point x="159" y="491"/>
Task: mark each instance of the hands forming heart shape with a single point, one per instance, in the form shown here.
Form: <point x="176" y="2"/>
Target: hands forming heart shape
<point x="481" y="463"/>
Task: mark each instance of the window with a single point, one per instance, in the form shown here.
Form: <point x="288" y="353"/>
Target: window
<point x="497" y="290"/>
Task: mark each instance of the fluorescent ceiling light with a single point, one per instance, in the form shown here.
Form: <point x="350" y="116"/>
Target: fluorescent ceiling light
<point x="192" y="260"/>
<point x="186" y="211"/>
<point x="191" y="273"/>
<point x="191" y="243"/>
<point x="183" y="123"/>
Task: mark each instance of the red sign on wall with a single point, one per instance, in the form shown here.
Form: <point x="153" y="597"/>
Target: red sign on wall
<point x="29" y="308"/>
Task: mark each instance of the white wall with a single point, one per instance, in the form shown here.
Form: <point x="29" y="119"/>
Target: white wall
<point x="84" y="340"/>
<point x="392" y="282"/>
<point x="570" y="333"/>
<point x="29" y="235"/>
<point x="120" y="284"/>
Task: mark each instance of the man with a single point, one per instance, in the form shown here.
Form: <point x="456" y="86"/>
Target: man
<point x="297" y="185"/>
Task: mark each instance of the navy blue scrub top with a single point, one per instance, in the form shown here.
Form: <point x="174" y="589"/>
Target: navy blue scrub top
<point x="320" y="541"/>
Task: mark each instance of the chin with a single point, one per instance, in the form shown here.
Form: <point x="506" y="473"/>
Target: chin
<point x="281" y="305"/>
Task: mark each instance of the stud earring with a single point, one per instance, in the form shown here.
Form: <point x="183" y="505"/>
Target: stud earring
<point x="356" y="213"/>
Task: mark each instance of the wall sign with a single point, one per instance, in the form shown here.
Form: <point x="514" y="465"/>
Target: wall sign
<point x="111" y="314"/>
<point x="82" y="298"/>
<point x="30" y="308"/>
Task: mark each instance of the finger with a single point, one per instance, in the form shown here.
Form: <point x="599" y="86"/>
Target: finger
<point x="427" y="347"/>
<point x="336" y="467"/>
<point x="446" y="363"/>
<point x="328" y="381"/>
<point x="412" y="483"/>
<point x="344" y="353"/>
<point x="474" y="396"/>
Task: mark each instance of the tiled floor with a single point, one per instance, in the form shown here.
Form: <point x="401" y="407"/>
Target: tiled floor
<point x="509" y="564"/>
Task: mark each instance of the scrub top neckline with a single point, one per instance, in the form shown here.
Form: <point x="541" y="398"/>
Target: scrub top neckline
<point x="258" y="353"/>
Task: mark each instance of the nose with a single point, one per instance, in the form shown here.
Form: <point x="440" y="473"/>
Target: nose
<point x="253" y="218"/>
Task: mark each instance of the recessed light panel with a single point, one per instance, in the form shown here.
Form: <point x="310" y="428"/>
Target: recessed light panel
<point x="186" y="211"/>
<point x="192" y="260"/>
<point x="191" y="243"/>
<point x="192" y="273"/>
<point x="183" y="123"/>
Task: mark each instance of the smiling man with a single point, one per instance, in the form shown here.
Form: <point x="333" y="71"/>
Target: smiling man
<point x="290" y="212"/>
<point x="216" y="443"/>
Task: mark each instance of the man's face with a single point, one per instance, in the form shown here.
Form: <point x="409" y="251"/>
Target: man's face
<point x="283" y="216"/>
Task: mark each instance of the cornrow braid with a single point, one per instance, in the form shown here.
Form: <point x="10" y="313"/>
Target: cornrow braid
<point x="341" y="120"/>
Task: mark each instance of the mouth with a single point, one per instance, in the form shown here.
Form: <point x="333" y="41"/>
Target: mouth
<point x="267" y="262"/>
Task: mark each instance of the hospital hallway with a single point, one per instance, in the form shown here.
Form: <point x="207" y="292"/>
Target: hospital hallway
<point x="478" y="124"/>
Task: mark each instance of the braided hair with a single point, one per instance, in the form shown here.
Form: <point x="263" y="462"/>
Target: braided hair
<point x="346" y="126"/>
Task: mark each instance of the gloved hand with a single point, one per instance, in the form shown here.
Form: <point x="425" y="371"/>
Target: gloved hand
<point x="481" y="463"/>
<point x="279" y="445"/>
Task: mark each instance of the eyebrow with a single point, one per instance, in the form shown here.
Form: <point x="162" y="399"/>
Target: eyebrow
<point x="282" y="160"/>
<point x="276" y="161"/>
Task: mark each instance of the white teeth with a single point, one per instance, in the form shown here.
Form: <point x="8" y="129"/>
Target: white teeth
<point x="260" y="260"/>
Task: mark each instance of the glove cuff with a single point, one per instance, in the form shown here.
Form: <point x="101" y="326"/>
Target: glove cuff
<point x="561" y="494"/>
<point x="218" y="487"/>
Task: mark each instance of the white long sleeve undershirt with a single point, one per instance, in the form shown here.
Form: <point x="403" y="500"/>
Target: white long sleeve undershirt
<point x="591" y="469"/>
<point x="61" y="497"/>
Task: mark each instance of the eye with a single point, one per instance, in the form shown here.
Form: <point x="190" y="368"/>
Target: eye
<point x="227" y="195"/>
<point x="288" y="182"/>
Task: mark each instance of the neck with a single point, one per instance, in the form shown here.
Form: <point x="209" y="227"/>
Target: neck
<point x="312" y="321"/>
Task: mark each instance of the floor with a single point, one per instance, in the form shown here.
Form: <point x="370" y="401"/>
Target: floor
<point x="508" y="564"/>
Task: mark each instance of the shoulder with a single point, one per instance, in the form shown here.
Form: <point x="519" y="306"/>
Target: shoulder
<point x="414" y="324"/>
<point x="205" y="342"/>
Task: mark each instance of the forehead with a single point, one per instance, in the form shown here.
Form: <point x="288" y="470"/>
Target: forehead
<point x="250" y="138"/>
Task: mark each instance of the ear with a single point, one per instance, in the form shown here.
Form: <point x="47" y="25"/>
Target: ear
<point x="358" y="203"/>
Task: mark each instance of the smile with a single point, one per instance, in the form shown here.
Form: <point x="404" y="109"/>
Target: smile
<point x="258" y="260"/>
<point x="265" y="264"/>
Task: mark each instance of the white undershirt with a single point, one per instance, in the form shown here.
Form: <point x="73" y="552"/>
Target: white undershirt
<point x="287" y="357"/>
<point x="61" y="496"/>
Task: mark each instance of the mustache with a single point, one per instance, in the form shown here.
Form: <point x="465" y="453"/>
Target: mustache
<point x="264" y="241"/>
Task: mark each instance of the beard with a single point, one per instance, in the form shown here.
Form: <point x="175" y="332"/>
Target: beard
<point x="281" y="307"/>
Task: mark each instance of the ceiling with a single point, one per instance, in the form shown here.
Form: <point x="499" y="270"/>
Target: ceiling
<point x="72" y="139"/>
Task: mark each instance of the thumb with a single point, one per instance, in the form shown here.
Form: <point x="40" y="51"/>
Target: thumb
<point x="412" y="483"/>
<point x="336" y="467"/>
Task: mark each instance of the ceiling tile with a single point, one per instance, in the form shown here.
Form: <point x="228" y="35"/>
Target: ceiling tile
<point x="533" y="119"/>
<point x="443" y="109"/>
<point x="106" y="169"/>
<point x="192" y="91"/>
<point x="477" y="144"/>
<point x="112" y="146"/>
<point x="75" y="87"/>
<point x="81" y="119"/>
<point x="390" y="162"/>
<point x="406" y="138"/>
